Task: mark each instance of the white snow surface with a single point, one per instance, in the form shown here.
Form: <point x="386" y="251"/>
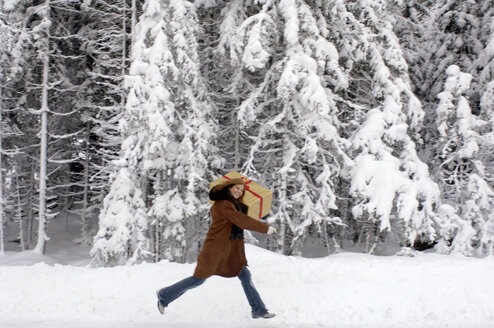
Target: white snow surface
<point x="341" y="291"/>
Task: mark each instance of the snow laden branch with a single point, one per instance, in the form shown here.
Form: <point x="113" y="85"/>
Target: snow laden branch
<point x="462" y="170"/>
<point x="289" y="115"/>
<point x="166" y="135"/>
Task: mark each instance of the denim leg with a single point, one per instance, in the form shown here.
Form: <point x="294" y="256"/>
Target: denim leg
<point x="251" y="293"/>
<point x="169" y="294"/>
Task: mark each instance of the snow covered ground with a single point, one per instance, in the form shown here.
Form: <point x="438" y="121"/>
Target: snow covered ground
<point x="340" y="291"/>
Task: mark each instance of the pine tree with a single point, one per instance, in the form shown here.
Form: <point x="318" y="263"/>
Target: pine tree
<point x="325" y="102"/>
<point x="319" y="70"/>
<point x="16" y="122"/>
<point x="461" y="171"/>
<point x="487" y="115"/>
<point x="460" y="33"/>
<point x="454" y="40"/>
<point x="121" y="237"/>
<point x="286" y="92"/>
<point x="402" y="201"/>
<point x="4" y="34"/>
<point x="51" y="64"/>
<point x="165" y="127"/>
<point x="2" y="214"/>
<point x="106" y="36"/>
<point x="12" y="38"/>
<point x="484" y="63"/>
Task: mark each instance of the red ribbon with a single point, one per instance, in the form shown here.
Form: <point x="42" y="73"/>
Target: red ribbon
<point x="252" y="192"/>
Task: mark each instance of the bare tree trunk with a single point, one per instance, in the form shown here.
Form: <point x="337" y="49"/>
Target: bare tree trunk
<point x="2" y="233"/>
<point x="29" y="227"/>
<point x="42" y="237"/>
<point x="158" y="222"/>
<point x="20" y="219"/>
<point x="124" y="49"/>
<point x="157" y="240"/>
<point x="134" y="18"/>
<point x="236" y="160"/>
<point x="85" y="199"/>
<point x="376" y="233"/>
<point x="287" y="241"/>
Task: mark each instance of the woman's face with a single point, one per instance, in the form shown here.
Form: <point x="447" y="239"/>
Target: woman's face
<point x="237" y="190"/>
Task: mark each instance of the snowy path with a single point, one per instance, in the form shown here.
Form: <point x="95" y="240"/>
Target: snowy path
<point x="341" y="291"/>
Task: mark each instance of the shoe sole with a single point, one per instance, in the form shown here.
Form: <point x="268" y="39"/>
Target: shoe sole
<point x="161" y="309"/>
<point x="256" y="316"/>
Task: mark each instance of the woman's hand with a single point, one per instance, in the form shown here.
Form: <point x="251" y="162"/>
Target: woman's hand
<point x="271" y="230"/>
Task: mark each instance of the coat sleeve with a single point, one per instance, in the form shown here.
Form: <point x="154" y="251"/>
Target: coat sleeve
<point x="243" y="221"/>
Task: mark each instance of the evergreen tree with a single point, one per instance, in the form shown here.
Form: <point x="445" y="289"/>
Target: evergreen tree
<point x="12" y="38"/>
<point x="460" y="169"/>
<point x="51" y="63"/>
<point x="390" y="184"/>
<point x="294" y="146"/>
<point x="326" y="84"/>
<point x="121" y="237"/>
<point x="460" y="33"/>
<point x="165" y="127"/>
<point x="331" y="104"/>
<point x="106" y="36"/>
<point x="4" y="36"/>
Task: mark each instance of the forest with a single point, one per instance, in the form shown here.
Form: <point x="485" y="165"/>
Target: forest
<point x="372" y="121"/>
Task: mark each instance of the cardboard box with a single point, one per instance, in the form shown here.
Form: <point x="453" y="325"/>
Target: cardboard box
<point x="257" y="198"/>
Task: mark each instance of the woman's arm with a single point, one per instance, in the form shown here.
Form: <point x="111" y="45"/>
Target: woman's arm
<point x="241" y="220"/>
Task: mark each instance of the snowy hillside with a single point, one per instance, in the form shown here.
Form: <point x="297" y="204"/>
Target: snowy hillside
<point x="343" y="290"/>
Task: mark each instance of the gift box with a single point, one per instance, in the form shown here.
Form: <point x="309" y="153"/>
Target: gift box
<point x="256" y="197"/>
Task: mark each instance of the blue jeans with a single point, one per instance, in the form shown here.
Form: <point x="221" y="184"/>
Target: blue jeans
<point x="169" y="294"/>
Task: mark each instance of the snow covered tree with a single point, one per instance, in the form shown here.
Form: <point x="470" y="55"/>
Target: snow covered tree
<point x="476" y="236"/>
<point x="187" y="155"/>
<point x="282" y="57"/>
<point x="122" y="236"/>
<point x="106" y="38"/>
<point x="412" y="20"/>
<point x="459" y="33"/>
<point x="4" y="35"/>
<point x="168" y="213"/>
<point x="487" y="114"/>
<point x="461" y="170"/>
<point x="226" y="87"/>
<point x="165" y="126"/>
<point x="43" y="100"/>
<point x="438" y="34"/>
<point x="44" y="49"/>
<point x="448" y="223"/>
<point x="456" y="42"/>
<point x="2" y="202"/>
<point x="12" y="37"/>
<point x="331" y="104"/>
<point x="305" y="77"/>
<point x="15" y="142"/>
<point x="484" y="63"/>
<point x="390" y="184"/>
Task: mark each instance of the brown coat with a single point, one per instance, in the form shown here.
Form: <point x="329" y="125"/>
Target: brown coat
<point x="220" y="255"/>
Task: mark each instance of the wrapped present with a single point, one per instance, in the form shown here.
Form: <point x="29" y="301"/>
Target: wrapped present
<point x="256" y="197"/>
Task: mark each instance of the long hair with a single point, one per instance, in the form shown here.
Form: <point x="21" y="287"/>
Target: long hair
<point x="228" y="184"/>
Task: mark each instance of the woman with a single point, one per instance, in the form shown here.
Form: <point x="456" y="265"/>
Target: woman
<point x="223" y="251"/>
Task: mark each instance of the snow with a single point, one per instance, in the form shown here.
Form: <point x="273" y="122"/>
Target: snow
<point x="288" y="10"/>
<point x="343" y="290"/>
<point x="255" y="56"/>
<point x="9" y="5"/>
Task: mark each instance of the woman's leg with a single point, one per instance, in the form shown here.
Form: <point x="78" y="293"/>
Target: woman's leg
<point x="253" y="297"/>
<point x="169" y="294"/>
